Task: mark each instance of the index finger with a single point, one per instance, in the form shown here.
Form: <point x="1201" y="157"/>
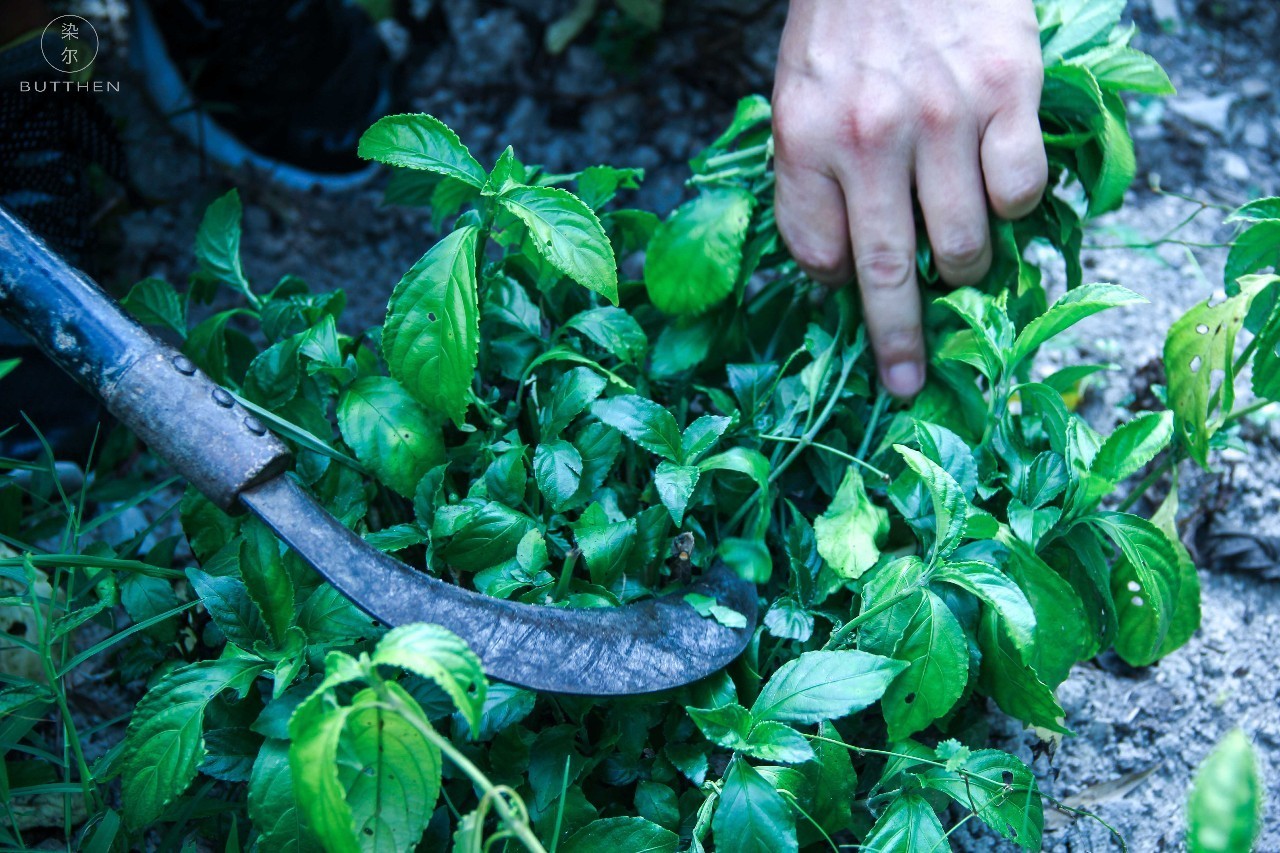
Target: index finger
<point x="882" y="231"/>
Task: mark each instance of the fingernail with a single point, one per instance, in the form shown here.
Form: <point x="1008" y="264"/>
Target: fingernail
<point x="904" y="379"/>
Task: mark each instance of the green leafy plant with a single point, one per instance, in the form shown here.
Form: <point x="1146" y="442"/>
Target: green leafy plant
<point x="530" y="423"/>
<point x="1225" y="809"/>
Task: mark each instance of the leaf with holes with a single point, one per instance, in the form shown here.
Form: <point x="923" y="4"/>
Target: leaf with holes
<point x="937" y="657"/>
<point x="1198" y="353"/>
<point x="390" y="432"/>
<point x="431" y="336"/>
<point x="1000" y="789"/>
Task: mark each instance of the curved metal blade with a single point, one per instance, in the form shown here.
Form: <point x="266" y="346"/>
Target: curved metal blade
<point x="640" y="648"/>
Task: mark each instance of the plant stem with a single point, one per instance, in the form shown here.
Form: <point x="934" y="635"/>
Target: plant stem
<point x="513" y="822"/>
<point x="1247" y="354"/>
<point x="721" y="160"/>
<point x="842" y="634"/>
<point x="877" y="412"/>
<point x="1255" y="406"/>
<point x="566" y="574"/>
<point x="803" y="442"/>
<point x="834" y="451"/>
<point x="812" y="432"/>
<point x="59" y="691"/>
<point x="1147" y="482"/>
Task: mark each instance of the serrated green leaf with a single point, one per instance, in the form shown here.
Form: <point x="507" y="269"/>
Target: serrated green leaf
<point x="1199" y="348"/>
<point x="937" y="657"/>
<point x="643" y="421"/>
<point x="908" y="825"/>
<point x="820" y="686"/>
<point x="1122" y="69"/>
<point x="557" y="467"/>
<point x="273" y="805"/>
<point x="1125" y="452"/>
<point x="1257" y="248"/>
<point x="1072" y="307"/>
<point x="1145" y="584"/>
<point x="431" y="335"/>
<point x="832" y="775"/>
<point x="701" y="435"/>
<point x="315" y="731"/>
<point x="622" y="833"/>
<point x="613" y="330"/>
<point x="218" y="242"/>
<point x="675" y="485"/>
<point x="1186" y="610"/>
<point x="744" y="461"/>
<point x="155" y="302"/>
<point x="997" y="591"/>
<point x="419" y="141"/>
<point x="227" y="600"/>
<point x="1012" y="683"/>
<point x="751" y="817"/>
<point x="1224" y="814"/>
<point x="608" y="549"/>
<point x="1080" y="24"/>
<point x="441" y="656"/>
<point x="1062" y="637"/>
<point x="728" y="726"/>
<point x="571" y="395"/>
<point x="851" y="530"/>
<point x="390" y="432"/>
<point x="389" y="770"/>
<point x="777" y="743"/>
<point x="568" y="235"/>
<point x="489" y="537"/>
<point x="597" y="185"/>
<point x="1266" y="360"/>
<point x="268" y="581"/>
<point x="787" y="619"/>
<point x="950" y="508"/>
<point x="164" y="745"/>
<point x="693" y="259"/>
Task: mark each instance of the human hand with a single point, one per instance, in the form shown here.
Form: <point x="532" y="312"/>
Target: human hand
<point x="872" y="95"/>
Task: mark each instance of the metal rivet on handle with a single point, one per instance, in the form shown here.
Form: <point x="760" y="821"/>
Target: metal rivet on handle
<point x="254" y="425"/>
<point x="223" y="398"/>
<point x="184" y="365"/>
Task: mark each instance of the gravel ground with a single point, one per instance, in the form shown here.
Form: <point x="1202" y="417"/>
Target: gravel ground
<point x="1139" y="733"/>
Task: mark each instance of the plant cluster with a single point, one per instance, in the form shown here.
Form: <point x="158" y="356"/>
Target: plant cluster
<point x="534" y="424"/>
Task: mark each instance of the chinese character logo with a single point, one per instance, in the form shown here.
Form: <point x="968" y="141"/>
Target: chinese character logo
<point x="69" y="44"/>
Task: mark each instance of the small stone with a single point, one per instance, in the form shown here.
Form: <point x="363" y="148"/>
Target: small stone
<point x="1254" y="87"/>
<point x="1234" y="166"/>
<point x="1255" y="135"/>
<point x="1211" y="113"/>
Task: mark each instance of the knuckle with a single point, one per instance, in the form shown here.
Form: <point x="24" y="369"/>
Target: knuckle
<point x="874" y="123"/>
<point x="1005" y="75"/>
<point x="794" y="124"/>
<point x="823" y="262"/>
<point x="1022" y="190"/>
<point x="895" y="343"/>
<point x="961" y="248"/>
<point x="940" y="113"/>
<point x="885" y="269"/>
